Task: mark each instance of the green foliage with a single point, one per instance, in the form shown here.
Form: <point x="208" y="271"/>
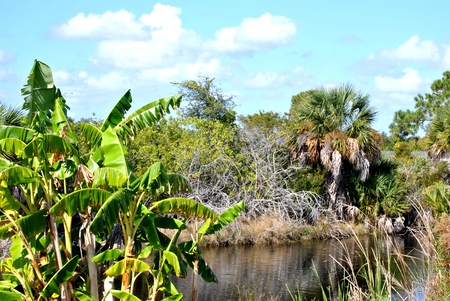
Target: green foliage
<point x="418" y="173"/>
<point x="407" y="123"/>
<point x="382" y="192"/>
<point x="437" y="198"/>
<point x="206" y="101"/>
<point x="182" y="144"/>
<point x="308" y="179"/>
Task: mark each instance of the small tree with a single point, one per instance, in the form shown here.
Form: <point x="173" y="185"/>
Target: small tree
<point x="206" y="101"/>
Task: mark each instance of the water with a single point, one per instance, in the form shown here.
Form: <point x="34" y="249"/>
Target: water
<point x="265" y="271"/>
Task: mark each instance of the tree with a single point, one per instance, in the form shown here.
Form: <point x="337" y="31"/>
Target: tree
<point x="334" y="129"/>
<point x="206" y="101"/>
<point x="407" y="123"/>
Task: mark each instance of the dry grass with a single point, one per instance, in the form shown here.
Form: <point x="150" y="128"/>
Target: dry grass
<point x="269" y="229"/>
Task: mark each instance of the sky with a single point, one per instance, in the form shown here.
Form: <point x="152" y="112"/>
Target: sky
<point x="260" y="52"/>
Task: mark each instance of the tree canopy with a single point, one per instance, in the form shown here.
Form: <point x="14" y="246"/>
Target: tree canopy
<point x="407" y="123"/>
<point x="206" y="101"/>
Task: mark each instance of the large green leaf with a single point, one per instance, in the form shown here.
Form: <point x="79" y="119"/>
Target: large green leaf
<point x="64" y="274"/>
<point x="124" y="295"/>
<point x="157" y="181"/>
<point x="11" y="295"/>
<point x="146" y="116"/>
<point x="192" y="253"/>
<point x="79" y="200"/>
<point x="7" y="201"/>
<point x="39" y="91"/>
<point x="118" y="112"/>
<point x="149" y="227"/>
<point x="108" y="214"/>
<point x="50" y="144"/>
<point x="109" y="177"/>
<point x="92" y="134"/>
<point x="169" y="223"/>
<point x="12" y="145"/>
<point x="4" y="164"/>
<point x="172" y="259"/>
<point x="65" y="169"/>
<point x="107" y="255"/>
<point x="30" y="224"/>
<point x="115" y="154"/>
<point x="224" y="219"/>
<point x="23" y="134"/>
<point x="119" y="268"/>
<point x="185" y="207"/>
<point x="60" y="122"/>
<point x="16" y="175"/>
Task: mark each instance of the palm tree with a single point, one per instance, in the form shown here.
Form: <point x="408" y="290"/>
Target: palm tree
<point x="439" y="135"/>
<point x="10" y="115"/>
<point x="334" y="129"/>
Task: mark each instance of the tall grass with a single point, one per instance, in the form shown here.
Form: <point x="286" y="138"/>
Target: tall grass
<point x="384" y="273"/>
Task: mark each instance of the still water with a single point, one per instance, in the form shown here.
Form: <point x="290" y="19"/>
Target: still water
<point x="266" y="270"/>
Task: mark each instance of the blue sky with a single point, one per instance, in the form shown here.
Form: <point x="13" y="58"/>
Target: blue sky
<point x="262" y="52"/>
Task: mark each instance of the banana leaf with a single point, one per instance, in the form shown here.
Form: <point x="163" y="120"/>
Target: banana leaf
<point x="30" y="225"/>
<point x="108" y="214"/>
<point x="23" y="134"/>
<point x="224" y="219"/>
<point x="16" y="175"/>
<point x="92" y="134"/>
<point x="49" y="143"/>
<point x="185" y="207"/>
<point x="39" y="91"/>
<point x="13" y="145"/>
<point x="109" y="177"/>
<point x="64" y="274"/>
<point x="124" y="295"/>
<point x="115" y="155"/>
<point x="118" y="112"/>
<point x="61" y="125"/>
<point x="79" y="200"/>
<point x="146" y="116"/>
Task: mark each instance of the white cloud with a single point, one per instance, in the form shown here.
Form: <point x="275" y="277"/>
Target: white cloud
<point x="409" y="82"/>
<point x="5" y="57"/>
<point x="253" y="34"/>
<point x="413" y="50"/>
<point x="109" y="25"/>
<point x="267" y="79"/>
<point x="5" y="74"/>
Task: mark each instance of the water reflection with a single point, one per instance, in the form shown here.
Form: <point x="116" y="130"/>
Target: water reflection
<point x="266" y="270"/>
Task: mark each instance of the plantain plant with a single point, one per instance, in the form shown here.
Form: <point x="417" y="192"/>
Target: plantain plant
<point x="45" y="183"/>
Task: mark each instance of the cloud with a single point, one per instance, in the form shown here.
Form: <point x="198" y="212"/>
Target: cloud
<point x="413" y="50"/>
<point x="409" y="82"/>
<point x="5" y="57"/>
<point x="255" y="34"/>
<point x="263" y="80"/>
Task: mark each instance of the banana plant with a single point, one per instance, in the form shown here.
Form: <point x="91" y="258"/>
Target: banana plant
<point x="46" y="183"/>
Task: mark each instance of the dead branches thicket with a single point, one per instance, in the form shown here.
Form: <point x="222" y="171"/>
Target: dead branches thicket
<point x="259" y="174"/>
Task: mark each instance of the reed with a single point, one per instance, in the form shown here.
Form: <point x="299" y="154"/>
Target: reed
<point x="384" y="273"/>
